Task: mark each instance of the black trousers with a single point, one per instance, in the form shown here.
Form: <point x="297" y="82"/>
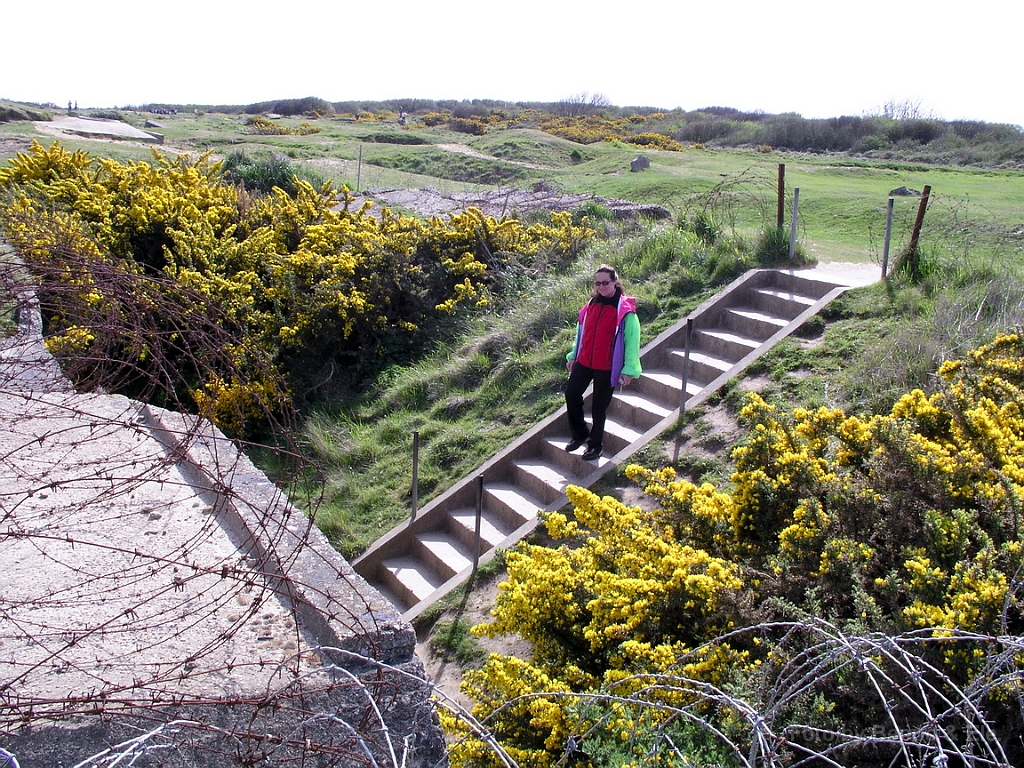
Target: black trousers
<point x="579" y="379"/>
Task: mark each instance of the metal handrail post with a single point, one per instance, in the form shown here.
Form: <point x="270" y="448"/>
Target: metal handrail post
<point x="888" y="238"/>
<point x="686" y="367"/>
<point x="792" y="222"/>
<point x="415" y="474"/>
<point x="479" y="517"/>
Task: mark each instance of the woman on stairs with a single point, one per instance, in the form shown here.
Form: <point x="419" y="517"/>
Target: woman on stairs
<point x="607" y="352"/>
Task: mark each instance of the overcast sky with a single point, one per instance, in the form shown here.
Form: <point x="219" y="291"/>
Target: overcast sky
<point x="817" y="59"/>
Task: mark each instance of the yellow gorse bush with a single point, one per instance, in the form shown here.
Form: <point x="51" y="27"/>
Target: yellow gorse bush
<point x="265" y="126"/>
<point x="903" y="522"/>
<point x="624" y="596"/>
<point x="309" y="286"/>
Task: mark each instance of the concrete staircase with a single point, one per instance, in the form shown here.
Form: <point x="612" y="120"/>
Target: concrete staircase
<point x="419" y="562"/>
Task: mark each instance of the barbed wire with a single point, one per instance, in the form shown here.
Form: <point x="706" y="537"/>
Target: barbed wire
<point x="924" y="716"/>
<point x="162" y="602"/>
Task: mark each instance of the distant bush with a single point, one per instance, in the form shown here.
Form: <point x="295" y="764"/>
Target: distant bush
<point x="584" y="130"/>
<point x="655" y="141"/>
<point x="106" y="114"/>
<point x="433" y="119"/>
<point x="467" y="125"/>
<point x="871" y="143"/>
<point x="704" y="131"/>
<point x="266" y="127"/>
<point x="920" y="131"/>
<point x="289" y="107"/>
<point x="403" y="137"/>
<point x="470" y="110"/>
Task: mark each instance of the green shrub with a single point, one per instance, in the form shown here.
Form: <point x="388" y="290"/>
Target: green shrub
<point x="772" y="249"/>
<point x="594" y="211"/>
<point x="873" y="142"/>
<point x="704" y="226"/>
<point x="107" y="114"/>
<point x="305" y="106"/>
<point x="451" y="641"/>
<point x="260" y="173"/>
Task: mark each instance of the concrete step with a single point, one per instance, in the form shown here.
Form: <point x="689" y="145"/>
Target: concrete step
<point x="540" y="479"/>
<point x="511" y="503"/>
<point x="553" y="450"/>
<point x="662" y="386"/>
<point x="751" y="323"/>
<point x="493" y="529"/>
<point x="618" y="435"/>
<point x="723" y="344"/>
<point x="787" y="281"/>
<point x="637" y="410"/>
<point x="409" y="578"/>
<point x="442" y="554"/>
<point x="704" y="368"/>
<point x="780" y="302"/>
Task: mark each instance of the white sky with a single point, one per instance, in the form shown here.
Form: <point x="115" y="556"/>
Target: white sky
<point x="815" y="58"/>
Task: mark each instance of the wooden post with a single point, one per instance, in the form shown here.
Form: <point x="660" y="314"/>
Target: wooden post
<point x="781" y="206"/>
<point x="918" y="223"/>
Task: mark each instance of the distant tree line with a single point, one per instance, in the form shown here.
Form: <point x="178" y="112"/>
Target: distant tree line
<point x="900" y="131"/>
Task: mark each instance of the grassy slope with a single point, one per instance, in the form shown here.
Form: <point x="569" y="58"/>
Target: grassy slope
<point x="505" y="374"/>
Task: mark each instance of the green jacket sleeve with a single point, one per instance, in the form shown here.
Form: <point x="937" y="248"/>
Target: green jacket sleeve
<point x="631" y="337"/>
<point x="571" y="357"/>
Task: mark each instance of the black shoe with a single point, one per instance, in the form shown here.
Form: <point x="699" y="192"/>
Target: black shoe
<point x="592" y="453"/>
<point x="575" y="443"/>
